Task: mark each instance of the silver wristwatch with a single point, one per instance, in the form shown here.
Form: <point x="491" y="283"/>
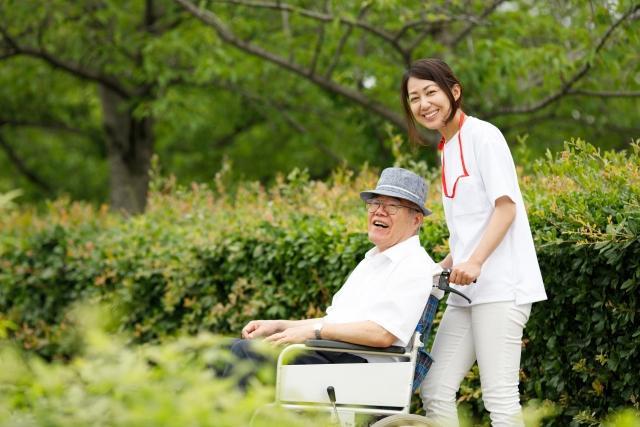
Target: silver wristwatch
<point x="317" y="329"/>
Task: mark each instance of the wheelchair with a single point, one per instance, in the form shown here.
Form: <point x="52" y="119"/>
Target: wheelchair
<point x="374" y="389"/>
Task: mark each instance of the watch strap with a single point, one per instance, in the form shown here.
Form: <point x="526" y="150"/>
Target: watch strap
<point x="317" y="329"/>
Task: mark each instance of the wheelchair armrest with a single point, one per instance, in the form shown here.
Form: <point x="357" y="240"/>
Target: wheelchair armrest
<point x="351" y="348"/>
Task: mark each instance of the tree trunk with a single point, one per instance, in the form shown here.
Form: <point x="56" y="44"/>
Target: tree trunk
<point x="129" y="147"/>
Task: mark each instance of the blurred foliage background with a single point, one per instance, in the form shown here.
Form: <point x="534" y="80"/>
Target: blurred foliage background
<point x="242" y="131"/>
<point x="91" y="89"/>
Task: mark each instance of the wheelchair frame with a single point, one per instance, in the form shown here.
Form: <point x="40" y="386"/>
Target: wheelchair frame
<point x="358" y="388"/>
<point x="353" y="388"/>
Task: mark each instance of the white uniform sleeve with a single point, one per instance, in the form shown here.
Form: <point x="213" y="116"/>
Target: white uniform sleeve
<point x="496" y="166"/>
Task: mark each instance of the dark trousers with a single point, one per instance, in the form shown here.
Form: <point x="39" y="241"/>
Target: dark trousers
<point x="242" y="350"/>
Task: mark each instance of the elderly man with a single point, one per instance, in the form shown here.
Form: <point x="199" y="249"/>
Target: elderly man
<point x="382" y="300"/>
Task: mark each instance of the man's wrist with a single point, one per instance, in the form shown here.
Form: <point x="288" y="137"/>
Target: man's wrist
<point x="317" y="330"/>
<point x="281" y="325"/>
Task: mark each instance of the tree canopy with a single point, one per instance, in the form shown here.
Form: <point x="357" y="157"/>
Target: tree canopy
<point x="92" y="89"/>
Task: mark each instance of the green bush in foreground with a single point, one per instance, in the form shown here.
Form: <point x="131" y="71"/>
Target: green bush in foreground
<point x="211" y="260"/>
<point x="110" y="384"/>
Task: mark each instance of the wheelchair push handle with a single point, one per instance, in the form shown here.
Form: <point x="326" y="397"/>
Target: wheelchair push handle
<point x="443" y="284"/>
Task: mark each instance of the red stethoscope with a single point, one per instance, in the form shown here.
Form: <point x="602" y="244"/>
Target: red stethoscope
<point x="464" y="168"/>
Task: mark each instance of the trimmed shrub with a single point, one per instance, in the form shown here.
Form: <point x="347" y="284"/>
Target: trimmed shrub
<point x="203" y="259"/>
<point x="581" y="349"/>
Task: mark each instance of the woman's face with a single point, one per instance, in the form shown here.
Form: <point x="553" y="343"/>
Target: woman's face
<point x="429" y="103"/>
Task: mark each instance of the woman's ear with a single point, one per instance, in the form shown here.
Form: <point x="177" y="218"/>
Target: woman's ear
<point x="456" y="90"/>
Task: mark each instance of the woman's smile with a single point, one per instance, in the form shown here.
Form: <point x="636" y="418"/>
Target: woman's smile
<point x="430" y="115"/>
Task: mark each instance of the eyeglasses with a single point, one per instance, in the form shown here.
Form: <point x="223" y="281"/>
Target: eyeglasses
<point x="391" y="209"/>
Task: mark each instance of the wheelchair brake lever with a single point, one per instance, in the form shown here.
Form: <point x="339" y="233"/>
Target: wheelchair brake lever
<point x="443" y="284"/>
<point x="331" y="392"/>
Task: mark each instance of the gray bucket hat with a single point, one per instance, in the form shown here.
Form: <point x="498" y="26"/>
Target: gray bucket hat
<point x="400" y="183"/>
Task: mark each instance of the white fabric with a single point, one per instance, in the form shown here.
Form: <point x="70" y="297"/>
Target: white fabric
<point x="389" y="288"/>
<point x="511" y="272"/>
<point x="490" y="333"/>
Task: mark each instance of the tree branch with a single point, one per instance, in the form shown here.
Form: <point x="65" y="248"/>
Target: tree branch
<point x="432" y="28"/>
<point x="343" y="42"/>
<point x="325" y="17"/>
<point x="227" y="139"/>
<point x="44" y="23"/>
<point x="7" y="38"/>
<point x="529" y="121"/>
<point x="42" y="124"/>
<point x="302" y="129"/>
<point x="563" y="118"/>
<point x="420" y="38"/>
<point x="475" y="22"/>
<point x="77" y="70"/>
<point x="319" y="43"/>
<point x="603" y="94"/>
<point x="338" y="53"/>
<point x="229" y="37"/>
<point x="7" y="55"/>
<point x="567" y="87"/>
<point x="282" y="108"/>
<point x="422" y="23"/>
<point x="93" y="134"/>
<point x="70" y="67"/>
<point x="149" y="14"/>
<point x="23" y="168"/>
<point x="427" y="27"/>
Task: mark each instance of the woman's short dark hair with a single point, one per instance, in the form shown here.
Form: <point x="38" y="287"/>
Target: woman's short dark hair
<point x="437" y="71"/>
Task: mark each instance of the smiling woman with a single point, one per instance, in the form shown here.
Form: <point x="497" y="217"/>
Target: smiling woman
<point x="490" y="243"/>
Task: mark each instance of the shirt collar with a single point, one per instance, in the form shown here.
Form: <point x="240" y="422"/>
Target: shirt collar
<point x="397" y="251"/>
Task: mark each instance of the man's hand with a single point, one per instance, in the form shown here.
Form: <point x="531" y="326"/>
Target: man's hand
<point x="465" y="273"/>
<point x="295" y="335"/>
<point x="261" y="328"/>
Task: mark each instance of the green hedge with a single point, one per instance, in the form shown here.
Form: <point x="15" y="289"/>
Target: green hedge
<point x="582" y="345"/>
<point x="108" y="383"/>
<point x="203" y="259"/>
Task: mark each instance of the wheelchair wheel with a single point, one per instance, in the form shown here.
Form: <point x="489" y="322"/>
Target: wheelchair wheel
<point x="404" y="420"/>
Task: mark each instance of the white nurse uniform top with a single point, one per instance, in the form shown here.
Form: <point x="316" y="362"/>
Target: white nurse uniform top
<point x="477" y="170"/>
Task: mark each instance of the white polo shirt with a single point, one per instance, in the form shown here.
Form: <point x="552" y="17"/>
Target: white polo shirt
<point x="389" y="288"/>
<point x="511" y="272"/>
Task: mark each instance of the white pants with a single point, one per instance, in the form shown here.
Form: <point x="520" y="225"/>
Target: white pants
<point x="491" y="334"/>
